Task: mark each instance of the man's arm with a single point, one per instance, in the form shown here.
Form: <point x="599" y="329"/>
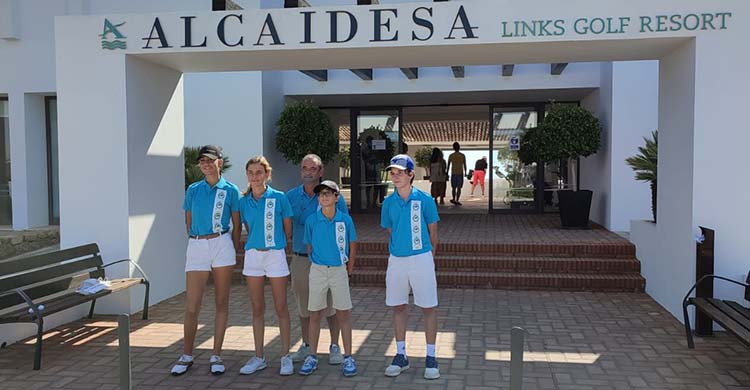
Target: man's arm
<point x="433" y="229"/>
<point x="352" y="257"/>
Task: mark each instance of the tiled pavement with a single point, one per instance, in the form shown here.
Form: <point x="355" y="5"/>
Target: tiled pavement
<point x="576" y="341"/>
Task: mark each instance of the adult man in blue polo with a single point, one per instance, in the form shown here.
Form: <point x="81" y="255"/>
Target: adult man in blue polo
<point x="304" y="203"/>
<point x="411" y="218"/>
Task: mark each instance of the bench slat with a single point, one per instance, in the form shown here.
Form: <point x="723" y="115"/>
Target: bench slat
<point x="67" y="301"/>
<point x="50" y="273"/>
<point x="715" y="309"/>
<point x="8" y="267"/>
<point x="745" y="312"/>
<point x="47" y="289"/>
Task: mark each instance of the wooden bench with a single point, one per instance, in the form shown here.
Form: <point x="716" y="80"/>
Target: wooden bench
<point x="33" y="287"/>
<point x="732" y="316"/>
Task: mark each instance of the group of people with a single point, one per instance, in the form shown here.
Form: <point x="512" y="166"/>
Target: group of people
<point x="457" y="167"/>
<point x="309" y="225"/>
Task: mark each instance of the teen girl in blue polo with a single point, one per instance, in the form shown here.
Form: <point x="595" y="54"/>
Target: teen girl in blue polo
<point x="209" y="206"/>
<point x="267" y="215"/>
<point x="411" y="217"/>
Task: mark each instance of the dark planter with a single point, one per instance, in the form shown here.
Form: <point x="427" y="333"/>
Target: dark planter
<point x="574" y="208"/>
<point x="346" y="180"/>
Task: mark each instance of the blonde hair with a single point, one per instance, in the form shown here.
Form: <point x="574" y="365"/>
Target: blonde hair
<point x="264" y="163"/>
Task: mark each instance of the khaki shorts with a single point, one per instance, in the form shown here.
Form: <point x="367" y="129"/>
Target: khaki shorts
<point x="325" y="279"/>
<point x="300" y="269"/>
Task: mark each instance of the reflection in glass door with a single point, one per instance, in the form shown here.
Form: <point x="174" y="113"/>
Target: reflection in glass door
<point x="513" y="183"/>
<point x="375" y="139"/>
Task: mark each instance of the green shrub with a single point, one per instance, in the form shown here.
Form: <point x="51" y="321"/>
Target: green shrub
<point x="305" y="129"/>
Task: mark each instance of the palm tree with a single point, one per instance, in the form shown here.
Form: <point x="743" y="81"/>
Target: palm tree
<point x="192" y="172"/>
<point x="644" y="164"/>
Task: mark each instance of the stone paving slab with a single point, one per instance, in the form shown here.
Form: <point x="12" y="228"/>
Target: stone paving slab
<point x="575" y="341"/>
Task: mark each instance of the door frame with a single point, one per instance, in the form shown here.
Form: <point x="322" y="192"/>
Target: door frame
<point x="354" y="152"/>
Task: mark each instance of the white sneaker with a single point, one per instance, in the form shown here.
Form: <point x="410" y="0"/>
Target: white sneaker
<point x="217" y="365"/>
<point x="182" y="365"/>
<point x="287" y="366"/>
<point x="334" y="355"/>
<point x="302" y="353"/>
<point x="254" y="364"/>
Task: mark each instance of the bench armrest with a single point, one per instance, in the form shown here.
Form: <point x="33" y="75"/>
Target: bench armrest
<point x="36" y="310"/>
<point x="711" y="276"/>
<point x="140" y="270"/>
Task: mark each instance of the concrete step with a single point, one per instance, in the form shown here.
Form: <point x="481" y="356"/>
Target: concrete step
<point x="519" y="281"/>
<point x="486" y="263"/>
<point x="620" y="249"/>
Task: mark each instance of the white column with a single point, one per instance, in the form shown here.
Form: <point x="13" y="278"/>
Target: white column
<point x="28" y="160"/>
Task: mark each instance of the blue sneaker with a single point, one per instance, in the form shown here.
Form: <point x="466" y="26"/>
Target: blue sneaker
<point x="431" y="370"/>
<point x="348" y="368"/>
<point x="310" y="365"/>
<point x="399" y="364"/>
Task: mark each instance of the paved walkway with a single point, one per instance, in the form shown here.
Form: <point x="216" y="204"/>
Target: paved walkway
<point x="576" y="341"/>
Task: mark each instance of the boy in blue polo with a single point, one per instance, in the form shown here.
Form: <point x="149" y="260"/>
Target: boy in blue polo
<point x="411" y="217"/>
<point x="331" y="241"/>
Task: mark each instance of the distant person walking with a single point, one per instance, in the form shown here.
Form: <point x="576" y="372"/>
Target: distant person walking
<point x="457" y="168"/>
<point x="480" y="168"/>
<point x="438" y="175"/>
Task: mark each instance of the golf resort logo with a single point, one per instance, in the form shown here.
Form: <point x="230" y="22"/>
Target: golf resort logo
<point x="111" y="32"/>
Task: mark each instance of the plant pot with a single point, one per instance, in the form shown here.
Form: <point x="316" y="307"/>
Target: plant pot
<point x="426" y="177"/>
<point x="346" y="180"/>
<point x="575" y="207"/>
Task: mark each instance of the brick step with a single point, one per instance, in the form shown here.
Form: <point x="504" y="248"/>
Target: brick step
<point x="519" y="281"/>
<point x="596" y="250"/>
<point x="483" y="263"/>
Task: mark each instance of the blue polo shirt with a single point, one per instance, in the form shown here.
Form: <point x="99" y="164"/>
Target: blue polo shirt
<point x="264" y="219"/>
<point x="328" y="237"/>
<point x="408" y="222"/>
<point x="211" y="206"/>
<point x="303" y="206"/>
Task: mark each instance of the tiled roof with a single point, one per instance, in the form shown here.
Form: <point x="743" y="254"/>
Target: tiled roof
<point x="443" y="132"/>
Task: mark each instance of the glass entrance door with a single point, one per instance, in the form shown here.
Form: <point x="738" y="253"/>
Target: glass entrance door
<point x="376" y="137"/>
<point x="514" y="185"/>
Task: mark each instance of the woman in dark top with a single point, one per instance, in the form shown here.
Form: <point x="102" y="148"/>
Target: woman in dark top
<point x="479" y="171"/>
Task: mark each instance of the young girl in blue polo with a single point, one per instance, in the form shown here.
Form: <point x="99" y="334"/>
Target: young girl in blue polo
<point x="267" y="215"/>
<point x="411" y="218"/>
<point x="331" y="243"/>
<point x="209" y="206"/>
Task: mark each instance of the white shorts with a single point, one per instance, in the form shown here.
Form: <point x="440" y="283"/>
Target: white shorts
<point x="416" y="273"/>
<point x="271" y="263"/>
<point x="202" y="255"/>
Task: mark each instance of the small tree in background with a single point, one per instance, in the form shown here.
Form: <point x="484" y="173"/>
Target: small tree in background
<point x="644" y="164"/>
<point x="422" y="157"/>
<point x="192" y="171"/>
<point x="305" y="129"/>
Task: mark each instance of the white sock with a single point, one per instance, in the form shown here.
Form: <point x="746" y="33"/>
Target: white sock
<point x="214" y="358"/>
<point x="401" y="347"/>
<point x="431" y="350"/>
<point x="187" y="358"/>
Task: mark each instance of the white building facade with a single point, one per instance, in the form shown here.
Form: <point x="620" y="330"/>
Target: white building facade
<point x="74" y="113"/>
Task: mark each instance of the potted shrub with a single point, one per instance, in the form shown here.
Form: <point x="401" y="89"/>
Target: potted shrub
<point x="305" y="129"/>
<point x="566" y="133"/>
<point x="192" y="171"/>
<point x="644" y="164"/>
<point x="422" y="158"/>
